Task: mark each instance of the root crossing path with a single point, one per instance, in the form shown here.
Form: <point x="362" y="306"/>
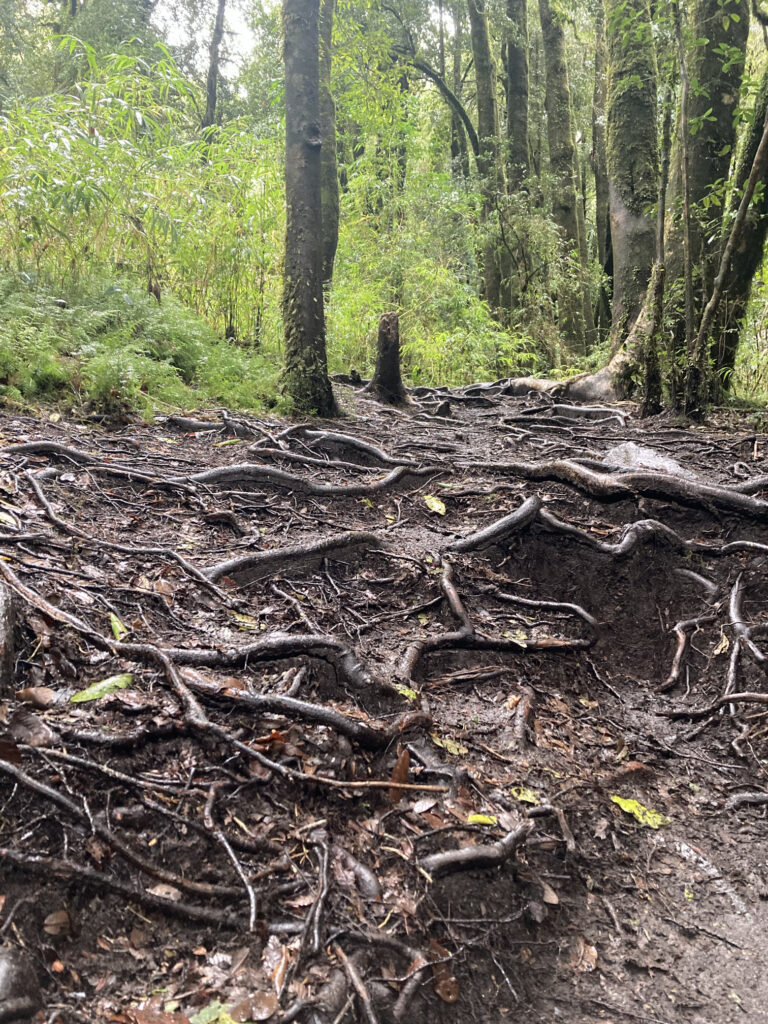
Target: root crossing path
<point x="451" y="713"/>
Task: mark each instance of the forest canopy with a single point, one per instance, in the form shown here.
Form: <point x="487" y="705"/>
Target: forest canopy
<point x="536" y="188"/>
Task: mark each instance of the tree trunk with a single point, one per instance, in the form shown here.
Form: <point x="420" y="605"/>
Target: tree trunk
<point x="602" y="212"/>
<point x="697" y="384"/>
<point x="459" y="151"/>
<point x="632" y="158"/>
<point x="575" y="309"/>
<point x="387" y="384"/>
<point x="516" y="71"/>
<point x="212" y="80"/>
<point x="747" y="256"/>
<point x="306" y="372"/>
<point x="329" y="184"/>
<point x="488" y="156"/>
<point x="715" y="69"/>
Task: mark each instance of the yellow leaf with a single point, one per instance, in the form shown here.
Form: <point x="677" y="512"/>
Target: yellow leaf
<point x="647" y="817"/>
<point x="434" y="504"/>
<point x="723" y="645"/>
<point x="245" y="621"/>
<point x="524" y="795"/>
<point x="230" y="440"/>
<point x="482" y="819"/>
<point x="447" y="744"/>
<point x="406" y="691"/>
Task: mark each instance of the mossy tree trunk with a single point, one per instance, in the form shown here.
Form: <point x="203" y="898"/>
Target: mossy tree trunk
<point x="306" y="371"/>
<point x="576" y="308"/>
<point x="488" y="160"/>
<point x="632" y="158"/>
<point x="516" y="74"/>
<point x="719" y="29"/>
<point x="747" y="257"/>
<point x="329" y="172"/>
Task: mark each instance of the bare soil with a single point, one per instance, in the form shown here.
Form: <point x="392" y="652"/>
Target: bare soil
<point x="358" y="778"/>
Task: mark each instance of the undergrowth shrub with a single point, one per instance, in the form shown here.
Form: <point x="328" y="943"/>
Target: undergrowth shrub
<point x="109" y="347"/>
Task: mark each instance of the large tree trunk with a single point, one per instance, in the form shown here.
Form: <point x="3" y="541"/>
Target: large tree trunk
<point x="575" y="309"/>
<point x="306" y="371"/>
<point x="632" y="157"/>
<point x="459" y="149"/>
<point x="212" y="80"/>
<point x="747" y="255"/>
<point x="488" y="157"/>
<point x="329" y="184"/>
<point x="516" y="72"/>
<point x="715" y="71"/>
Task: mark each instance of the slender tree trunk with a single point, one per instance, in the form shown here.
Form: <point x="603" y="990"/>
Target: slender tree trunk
<point x="516" y="71"/>
<point x="632" y="157"/>
<point x="696" y="383"/>
<point x="212" y="79"/>
<point x="602" y="211"/>
<point x="747" y="256"/>
<point x="575" y="309"/>
<point x="329" y="172"/>
<point x="488" y="163"/>
<point x="306" y="371"/>
<point x="459" y="151"/>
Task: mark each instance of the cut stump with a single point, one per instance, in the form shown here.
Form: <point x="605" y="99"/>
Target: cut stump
<point x="387" y="383"/>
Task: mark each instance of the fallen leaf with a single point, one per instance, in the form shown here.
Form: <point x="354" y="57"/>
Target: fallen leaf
<point x="9" y="752"/>
<point x="583" y="956"/>
<point x="723" y="645"/>
<point x="482" y="819"/>
<point x="434" y="504"/>
<point x="448" y="744"/>
<point x="38" y="696"/>
<point x="105" y="686"/>
<point x="165" y="891"/>
<point x="524" y="795"/>
<point x="259" y="1006"/>
<point x="118" y="629"/>
<point x="445" y="984"/>
<point x="548" y="894"/>
<point x="399" y="775"/>
<point x="152" y="1016"/>
<point x="58" y="923"/>
<point x="647" y="817"/>
<point x="26" y="727"/>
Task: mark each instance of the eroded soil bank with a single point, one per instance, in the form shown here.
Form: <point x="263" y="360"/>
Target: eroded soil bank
<point x="390" y="702"/>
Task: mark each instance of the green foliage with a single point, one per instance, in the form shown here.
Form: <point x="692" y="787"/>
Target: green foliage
<point x="112" y="349"/>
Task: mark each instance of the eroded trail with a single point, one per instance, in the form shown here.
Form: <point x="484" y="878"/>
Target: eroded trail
<point x="388" y="703"/>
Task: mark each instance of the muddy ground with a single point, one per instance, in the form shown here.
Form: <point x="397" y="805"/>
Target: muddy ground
<point x="367" y="762"/>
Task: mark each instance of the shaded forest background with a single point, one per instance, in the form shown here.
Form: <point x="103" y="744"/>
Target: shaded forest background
<point x="494" y="173"/>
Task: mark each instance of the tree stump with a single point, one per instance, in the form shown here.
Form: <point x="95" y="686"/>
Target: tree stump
<point x="387" y="384"/>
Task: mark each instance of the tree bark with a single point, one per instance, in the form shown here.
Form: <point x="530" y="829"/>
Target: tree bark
<point x="599" y="160"/>
<point x="212" y="79"/>
<point x="516" y="72"/>
<point x="747" y="255"/>
<point x="488" y="156"/>
<point x="387" y="384"/>
<point x="306" y="371"/>
<point x="632" y="158"/>
<point x="696" y="384"/>
<point x="715" y="68"/>
<point x="575" y="309"/>
<point x="329" y="184"/>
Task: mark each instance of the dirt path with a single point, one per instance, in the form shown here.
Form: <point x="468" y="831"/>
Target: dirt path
<point x="376" y="687"/>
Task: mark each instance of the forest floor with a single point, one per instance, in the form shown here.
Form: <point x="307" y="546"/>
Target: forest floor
<point x="374" y="689"/>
